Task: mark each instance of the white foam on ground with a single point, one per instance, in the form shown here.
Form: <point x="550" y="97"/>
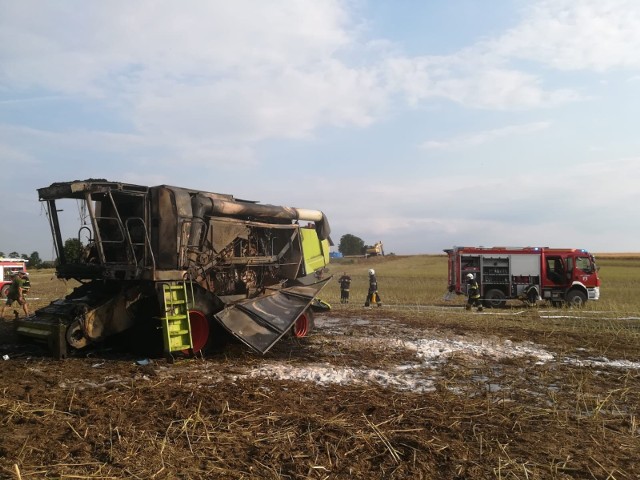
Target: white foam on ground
<point x="350" y="336"/>
<point x="325" y="374"/>
<point x="430" y="353"/>
<point x="604" y="362"/>
<point x="418" y="377"/>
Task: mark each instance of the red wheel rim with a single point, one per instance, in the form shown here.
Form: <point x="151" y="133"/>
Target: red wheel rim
<point x="199" y="329"/>
<point x="301" y="327"/>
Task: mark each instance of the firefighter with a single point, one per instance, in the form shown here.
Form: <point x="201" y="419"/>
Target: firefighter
<point x="473" y="293"/>
<point x="372" y="295"/>
<point x="345" y="284"/>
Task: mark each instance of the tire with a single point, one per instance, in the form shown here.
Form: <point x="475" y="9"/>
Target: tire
<point x="303" y="325"/>
<point x="495" y="298"/>
<point x="199" y="330"/>
<point x="4" y="293"/>
<point x="532" y="296"/>
<point x="75" y="336"/>
<point x="576" y="298"/>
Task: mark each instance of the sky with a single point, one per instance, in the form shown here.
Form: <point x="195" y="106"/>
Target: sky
<point x="420" y="124"/>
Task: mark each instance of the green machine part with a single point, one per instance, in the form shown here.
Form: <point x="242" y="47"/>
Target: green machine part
<point x="315" y="251"/>
<point x="176" y="327"/>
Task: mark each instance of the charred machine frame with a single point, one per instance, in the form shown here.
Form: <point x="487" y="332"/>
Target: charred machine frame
<point x="174" y="268"/>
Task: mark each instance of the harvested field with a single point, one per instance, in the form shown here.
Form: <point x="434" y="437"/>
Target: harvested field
<point x="422" y="390"/>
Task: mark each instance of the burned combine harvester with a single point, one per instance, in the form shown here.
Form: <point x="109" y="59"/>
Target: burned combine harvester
<point x="176" y="267"/>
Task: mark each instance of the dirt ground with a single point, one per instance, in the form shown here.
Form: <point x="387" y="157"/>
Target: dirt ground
<point x="496" y="400"/>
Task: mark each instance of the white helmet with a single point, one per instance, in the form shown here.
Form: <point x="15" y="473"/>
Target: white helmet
<point x="372" y="271"/>
<point x="470" y="276"/>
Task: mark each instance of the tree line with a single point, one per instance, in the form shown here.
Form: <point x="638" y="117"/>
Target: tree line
<point x="72" y="251"/>
<point x="34" y="259"/>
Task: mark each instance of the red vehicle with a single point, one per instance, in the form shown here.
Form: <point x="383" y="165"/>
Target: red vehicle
<point x="8" y="267"/>
<point x="558" y="275"/>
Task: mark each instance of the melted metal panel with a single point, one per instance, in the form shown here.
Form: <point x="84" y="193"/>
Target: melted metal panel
<point x="260" y="322"/>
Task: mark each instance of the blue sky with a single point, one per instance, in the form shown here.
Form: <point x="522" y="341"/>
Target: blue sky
<point x="421" y="124"/>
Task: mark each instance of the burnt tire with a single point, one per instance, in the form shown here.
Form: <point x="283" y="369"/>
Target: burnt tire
<point x="576" y="298"/>
<point x="75" y="336"/>
<point x="495" y="298"/>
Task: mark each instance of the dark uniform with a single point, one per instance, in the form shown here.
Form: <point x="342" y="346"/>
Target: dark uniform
<point x="372" y="295"/>
<point x="473" y="295"/>
<point x="345" y="284"/>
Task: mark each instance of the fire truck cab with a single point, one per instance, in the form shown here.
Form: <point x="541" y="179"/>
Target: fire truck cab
<point x="560" y="276"/>
<point x="8" y="268"/>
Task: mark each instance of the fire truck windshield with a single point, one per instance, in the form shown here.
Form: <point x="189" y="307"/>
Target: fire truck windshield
<point x="585" y="264"/>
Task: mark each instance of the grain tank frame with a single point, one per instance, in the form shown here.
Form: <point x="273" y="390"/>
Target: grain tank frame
<point x="167" y="266"/>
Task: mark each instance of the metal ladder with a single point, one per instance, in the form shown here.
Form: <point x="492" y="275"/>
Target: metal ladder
<point x="176" y="327"/>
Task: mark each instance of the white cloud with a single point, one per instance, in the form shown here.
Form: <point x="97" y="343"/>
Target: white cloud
<point x="479" y="138"/>
<point x="288" y="104"/>
<point x="239" y="71"/>
<point x="14" y="156"/>
<point x="576" y="35"/>
<point x="502" y="89"/>
<point x="164" y="39"/>
<point x="472" y="79"/>
<point x="201" y="80"/>
<point x="563" y="34"/>
<point x="242" y="72"/>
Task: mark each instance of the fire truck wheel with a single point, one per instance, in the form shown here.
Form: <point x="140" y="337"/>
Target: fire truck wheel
<point x="532" y="296"/>
<point x="576" y="298"/>
<point x="494" y="298"/>
<point x="5" y="291"/>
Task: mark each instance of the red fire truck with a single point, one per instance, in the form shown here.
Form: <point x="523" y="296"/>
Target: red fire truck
<point x="8" y="267"/>
<point x="558" y="275"/>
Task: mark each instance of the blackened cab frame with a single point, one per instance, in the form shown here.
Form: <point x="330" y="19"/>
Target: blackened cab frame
<point x="157" y="228"/>
<point x="558" y="275"/>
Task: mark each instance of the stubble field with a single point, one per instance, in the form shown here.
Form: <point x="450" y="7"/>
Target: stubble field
<point x="418" y="388"/>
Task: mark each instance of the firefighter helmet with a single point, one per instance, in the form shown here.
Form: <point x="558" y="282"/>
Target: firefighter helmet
<point x="469" y="276"/>
<point x="372" y="271"/>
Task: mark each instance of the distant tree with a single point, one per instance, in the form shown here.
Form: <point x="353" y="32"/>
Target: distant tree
<point x="350" y="245"/>
<point x="1" y="254"/>
<point x="72" y="250"/>
<point x="24" y="256"/>
<point x="34" y="260"/>
<point x="14" y="255"/>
